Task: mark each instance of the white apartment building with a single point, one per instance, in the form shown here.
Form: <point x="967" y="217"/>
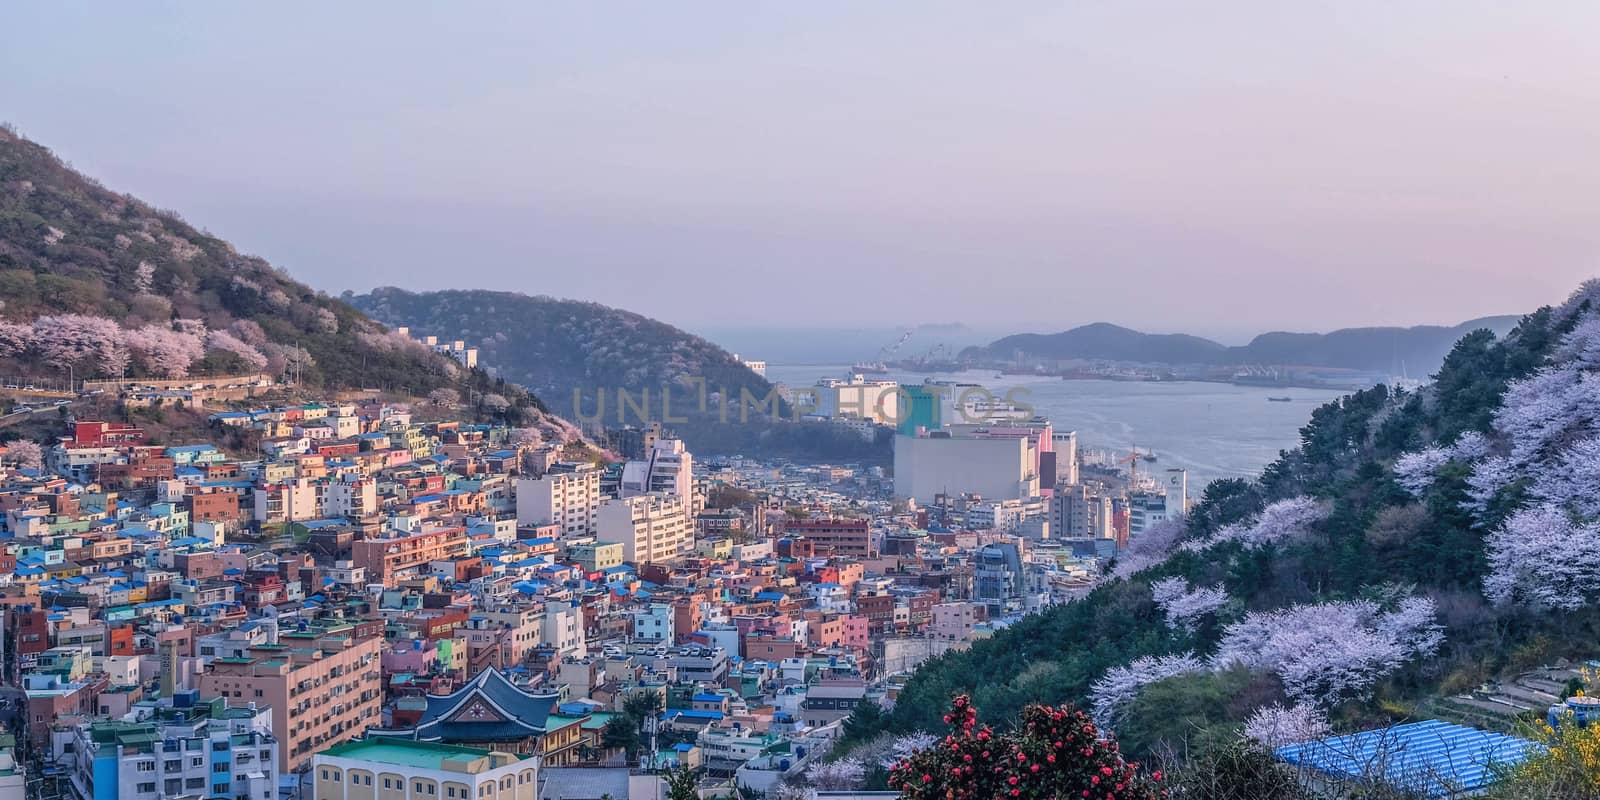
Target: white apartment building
<point x="568" y="498"/>
<point x="668" y="467"/>
<point x="652" y="527"/>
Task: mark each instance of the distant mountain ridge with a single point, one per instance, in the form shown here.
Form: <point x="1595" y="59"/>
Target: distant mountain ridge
<point x="1417" y="350"/>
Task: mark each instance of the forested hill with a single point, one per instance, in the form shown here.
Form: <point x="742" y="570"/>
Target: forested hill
<point x="108" y="284"/>
<point x="556" y="347"/>
<point x="1414" y="544"/>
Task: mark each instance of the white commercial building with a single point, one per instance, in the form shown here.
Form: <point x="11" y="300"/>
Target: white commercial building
<point x="857" y="397"/>
<point x="568" y="498"/>
<point x="651" y="527"/>
<point x="996" y="468"/>
<point x="391" y="768"/>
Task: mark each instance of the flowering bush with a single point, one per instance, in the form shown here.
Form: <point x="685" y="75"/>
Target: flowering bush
<point x="1054" y="753"/>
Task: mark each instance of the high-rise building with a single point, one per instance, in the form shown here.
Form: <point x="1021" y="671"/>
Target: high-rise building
<point x="567" y="497"/>
<point x="1077" y="513"/>
<point x="652" y="527"/>
<point x="1065" y="446"/>
<point x="1177" y="492"/>
<point x="668" y="467"/>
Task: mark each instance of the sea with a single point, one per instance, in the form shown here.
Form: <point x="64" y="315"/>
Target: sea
<point x="1213" y="430"/>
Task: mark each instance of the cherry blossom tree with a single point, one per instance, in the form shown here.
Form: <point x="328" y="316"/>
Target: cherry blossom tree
<point x="1329" y="652"/>
<point x="1542" y="556"/>
<point x="144" y="277"/>
<point x="249" y="331"/>
<point x="1275" y="726"/>
<point x="225" y="342"/>
<point x="15" y="338"/>
<point x="835" y="776"/>
<point x="527" y="437"/>
<point x="1151" y="547"/>
<point x="904" y="747"/>
<point x="325" y="321"/>
<point x="24" y="454"/>
<point x="1285" y="519"/>
<point x="1110" y="695"/>
<point x="164" y="351"/>
<point x="75" y="338"/>
<point x="496" y="403"/>
<point x="1184" y="606"/>
<point x="1415" y="471"/>
<point x="444" y="396"/>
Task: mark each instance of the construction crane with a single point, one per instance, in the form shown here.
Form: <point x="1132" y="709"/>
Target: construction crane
<point x="1132" y="460"/>
<point x="889" y="351"/>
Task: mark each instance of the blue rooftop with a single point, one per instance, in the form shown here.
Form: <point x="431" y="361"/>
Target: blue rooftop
<point x="1433" y="758"/>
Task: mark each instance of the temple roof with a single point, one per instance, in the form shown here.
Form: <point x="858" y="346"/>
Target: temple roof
<point x="485" y="709"/>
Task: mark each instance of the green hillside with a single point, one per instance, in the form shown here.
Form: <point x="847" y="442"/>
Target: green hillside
<point x="74" y="253"/>
<point x="1442" y="541"/>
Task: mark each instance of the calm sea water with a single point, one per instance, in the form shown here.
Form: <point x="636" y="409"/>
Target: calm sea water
<point x="1213" y="430"/>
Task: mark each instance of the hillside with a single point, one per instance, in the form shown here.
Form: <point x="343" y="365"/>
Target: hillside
<point x="107" y="284"/>
<point x="1417" y="350"/>
<point x="561" y="347"/>
<point x="1103" y="340"/>
<point x="555" y="347"/>
<point x="1415" y="545"/>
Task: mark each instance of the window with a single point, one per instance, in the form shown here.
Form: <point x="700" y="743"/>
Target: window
<point x="220" y="766"/>
<point x="147" y="788"/>
<point x="219" y="788"/>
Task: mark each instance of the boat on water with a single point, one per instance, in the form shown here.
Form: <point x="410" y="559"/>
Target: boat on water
<point x="1279" y="399"/>
<point x="869" y="368"/>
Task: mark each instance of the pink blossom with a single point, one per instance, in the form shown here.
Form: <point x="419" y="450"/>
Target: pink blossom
<point x="1543" y="557"/>
<point x="73" y="338"/>
<point x="164" y="351"/>
<point x="223" y="341"/>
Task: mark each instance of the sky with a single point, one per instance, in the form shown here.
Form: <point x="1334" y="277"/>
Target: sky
<point x="1216" y="168"/>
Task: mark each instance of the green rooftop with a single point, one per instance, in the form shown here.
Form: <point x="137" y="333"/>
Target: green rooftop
<point x="406" y="752"/>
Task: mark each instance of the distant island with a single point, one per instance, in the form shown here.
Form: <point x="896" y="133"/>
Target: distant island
<point x="1277" y="358"/>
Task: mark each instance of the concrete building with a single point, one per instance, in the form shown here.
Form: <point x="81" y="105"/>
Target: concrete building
<point x="1077" y="513"/>
<point x="390" y="559"/>
<point x="182" y="746"/>
<point x="1065" y="446"/>
<point x="568" y="497"/>
<point x="596" y="556"/>
<point x="651" y="528"/>
<point x="859" y="398"/>
<point x="997" y="468"/>
<point x="667" y="468"/>
<point x="845" y="537"/>
<point x="322" y="686"/>
<point x="399" y="769"/>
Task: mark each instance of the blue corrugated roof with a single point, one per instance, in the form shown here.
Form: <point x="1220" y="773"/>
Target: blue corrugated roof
<point x="1434" y="758"/>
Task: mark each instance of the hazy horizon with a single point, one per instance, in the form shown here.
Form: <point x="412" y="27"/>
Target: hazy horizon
<point x="1221" y="171"/>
